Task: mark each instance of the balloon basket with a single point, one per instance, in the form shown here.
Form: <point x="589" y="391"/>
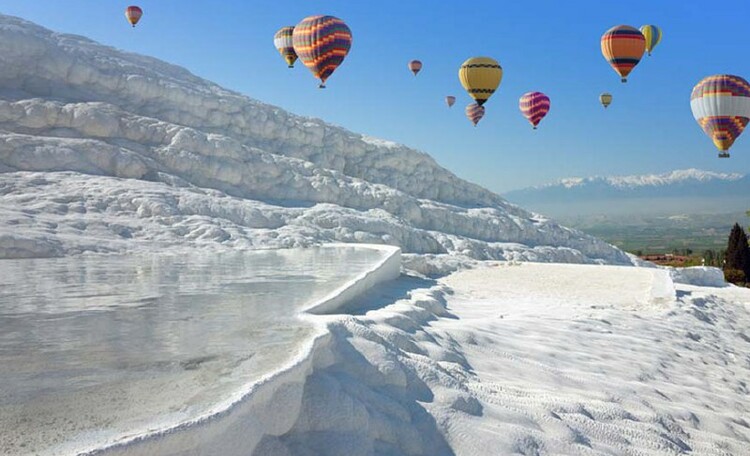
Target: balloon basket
<point x="724" y="155"/>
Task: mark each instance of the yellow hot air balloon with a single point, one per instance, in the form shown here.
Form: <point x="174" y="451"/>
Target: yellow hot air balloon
<point x="480" y="76"/>
<point x="605" y="99"/>
<point x="652" y="34"/>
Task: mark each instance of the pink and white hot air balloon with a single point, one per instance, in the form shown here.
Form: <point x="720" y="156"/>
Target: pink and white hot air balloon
<point x="534" y="106"/>
<point x="475" y="112"/>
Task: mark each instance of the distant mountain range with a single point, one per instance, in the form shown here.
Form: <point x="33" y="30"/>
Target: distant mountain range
<point x="689" y="191"/>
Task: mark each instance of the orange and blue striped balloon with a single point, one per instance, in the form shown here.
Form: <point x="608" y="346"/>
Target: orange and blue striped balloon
<point x="721" y="106"/>
<point x="322" y="43"/>
<point x="623" y="47"/>
<point x="475" y="112"/>
<point x="534" y="106"/>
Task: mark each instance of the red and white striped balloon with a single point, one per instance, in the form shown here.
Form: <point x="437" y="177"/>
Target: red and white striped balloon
<point x="534" y="106"/>
<point x="475" y="112"/>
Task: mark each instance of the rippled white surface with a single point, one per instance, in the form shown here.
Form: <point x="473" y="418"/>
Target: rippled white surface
<point x="96" y="347"/>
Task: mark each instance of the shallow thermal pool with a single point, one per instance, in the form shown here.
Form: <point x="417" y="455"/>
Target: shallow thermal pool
<point x="98" y="347"/>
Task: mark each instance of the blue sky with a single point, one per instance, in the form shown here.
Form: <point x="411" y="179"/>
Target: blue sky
<point x="546" y="45"/>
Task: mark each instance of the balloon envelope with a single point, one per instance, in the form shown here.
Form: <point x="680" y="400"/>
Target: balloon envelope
<point x="605" y="99"/>
<point x="415" y="66"/>
<point x="133" y="14"/>
<point x="475" y="112"/>
<point x="282" y="40"/>
<point x="721" y="106"/>
<point x="623" y="46"/>
<point x="450" y="100"/>
<point x="480" y="76"/>
<point x="322" y="43"/>
<point x="652" y="34"/>
<point x="534" y="106"/>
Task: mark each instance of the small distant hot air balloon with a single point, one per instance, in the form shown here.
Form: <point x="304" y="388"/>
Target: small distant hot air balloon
<point x="605" y="99"/>
<point x="475" y="112"/>
<point x="534" y="106"/>
<point x="652" y="34"/>
<point x="133" y="14"/>
<point x="283" y="42"/>
<point x="623" y="46"/>
<point x="721" y="105"/>
<point x="322" y="43"/>
<point x="415" y="66"/>
<point x="480" y="76"/>
<point x="450" y="100"/>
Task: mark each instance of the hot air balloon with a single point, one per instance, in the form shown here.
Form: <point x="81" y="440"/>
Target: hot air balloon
<point x="133" y="14"/>
<point x="605" y="99"/>
<point x="480" y="76"/>
<point x="623" y="46"/>
<point x="721" y="105"/>
<point x="450" y="100"/>
<point x="475" y="112"/>
<point x="283" y="42"/>
<point x="322" y="43"/>
<point x="415" y="66"/>
<point x="652" y="34"/>
<point x="534" y="106"/>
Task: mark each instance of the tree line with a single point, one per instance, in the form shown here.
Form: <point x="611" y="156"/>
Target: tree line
<point x="734" y="260"/>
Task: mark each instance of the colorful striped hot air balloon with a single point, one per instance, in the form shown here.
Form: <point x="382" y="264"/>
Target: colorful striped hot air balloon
<point x="721" y="105"/>
<point x="475" y="112"/>
<point x="605" y="99"/>
<point x="322" y="43"/>
<point x="623" y="46"/>
<point x="450" y="100"/>
<point x="415" y="66"/>
<point x="480" y="76"/>
<point x="652" y="34"/>
<point x="282" y="40"/>
<point x="534" y="106"/>
<point x="133" y="14"/>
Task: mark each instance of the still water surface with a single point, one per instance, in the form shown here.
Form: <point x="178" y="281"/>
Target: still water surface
<point x="97" y="347"/>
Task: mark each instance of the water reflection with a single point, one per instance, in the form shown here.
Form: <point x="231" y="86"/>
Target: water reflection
<point x="114" y="344"/>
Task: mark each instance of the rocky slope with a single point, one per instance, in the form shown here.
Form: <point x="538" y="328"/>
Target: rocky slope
<point x="102" y="150"/>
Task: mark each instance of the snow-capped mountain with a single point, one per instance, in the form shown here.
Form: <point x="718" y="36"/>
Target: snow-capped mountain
<point x="674" y="178"/>
<point x="103" y="150"/>
<point x="689" y="190"/>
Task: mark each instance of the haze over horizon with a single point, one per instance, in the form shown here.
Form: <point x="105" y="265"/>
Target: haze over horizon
<point x="648" y="129"/>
